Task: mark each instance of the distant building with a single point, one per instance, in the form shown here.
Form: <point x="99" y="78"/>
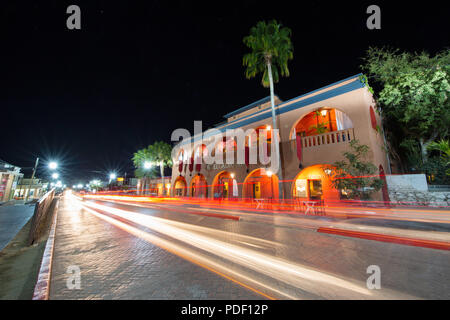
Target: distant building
<point x="9" y="177"/>
<point x="153" y="186"/>
<point x="37" y="188"/>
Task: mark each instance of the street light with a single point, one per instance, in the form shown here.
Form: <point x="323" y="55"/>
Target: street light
<point x="55" y="175"/>
<point x="112" y="177"/>
<point x="53" y="165"/>
<point x="147" y="165"/>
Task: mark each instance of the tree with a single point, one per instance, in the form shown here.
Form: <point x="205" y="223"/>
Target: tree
<point x="161" y="154"/>
<point x="443" y="146"/>
<point x="321" y="127"/>
<point x="413" y="98"/>
<point x="139" y="159"/>
<point x="95" y="185"/>
<point x="354" y="176"/>
<point x="271" y="49"/>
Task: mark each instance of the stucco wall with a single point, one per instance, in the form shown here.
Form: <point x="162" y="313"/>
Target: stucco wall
<point x="413" y="189"/>
<point x="407" y="182"/>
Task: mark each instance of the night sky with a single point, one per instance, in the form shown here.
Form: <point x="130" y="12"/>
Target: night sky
<point x="136" y="70"/>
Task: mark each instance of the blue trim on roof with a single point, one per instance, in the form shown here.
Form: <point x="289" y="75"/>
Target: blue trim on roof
<point x="287" y="102"/>
<point x="327" y="86"/>
<point x="287" y="106"/>
<point x="266" y="99"/>
<point x="247" y="107"/>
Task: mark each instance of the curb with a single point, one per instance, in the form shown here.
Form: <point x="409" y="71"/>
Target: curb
<point x="433" y="244"/>
<point x="42" y="287"/>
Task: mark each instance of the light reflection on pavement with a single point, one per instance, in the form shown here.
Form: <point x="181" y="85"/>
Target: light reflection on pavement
<point x="279" y="258"/>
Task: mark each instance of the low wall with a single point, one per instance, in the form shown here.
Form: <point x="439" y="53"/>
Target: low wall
<point x="413" y="189"/>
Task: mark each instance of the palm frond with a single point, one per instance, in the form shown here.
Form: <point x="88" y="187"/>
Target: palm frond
<point x="269" y="43"/>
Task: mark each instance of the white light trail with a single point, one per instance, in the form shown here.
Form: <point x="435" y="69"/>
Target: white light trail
<point x="292" y="274"/>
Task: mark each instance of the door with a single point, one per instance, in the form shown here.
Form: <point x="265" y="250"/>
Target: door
<point x="315" y="189"/>
<point x="225" y="190"/>
<point x="257" y="190"/>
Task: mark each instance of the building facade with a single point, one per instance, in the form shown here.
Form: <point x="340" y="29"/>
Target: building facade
<point x="9" y="177"/>
<point x="314" y="130"/>
<point x="153" y="186"/>
<point x="36" y="188"/>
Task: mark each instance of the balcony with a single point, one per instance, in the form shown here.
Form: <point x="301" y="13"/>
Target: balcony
<point x="317" y="149"/>
<point x="335" y="137"/>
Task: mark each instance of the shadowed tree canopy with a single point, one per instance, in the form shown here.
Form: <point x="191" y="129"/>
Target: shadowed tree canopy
<point x="414" y="96"/>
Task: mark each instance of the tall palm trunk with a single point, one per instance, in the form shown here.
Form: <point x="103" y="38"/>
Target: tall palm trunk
<point x="161" y="168"/>
<point x="274" y="135"/>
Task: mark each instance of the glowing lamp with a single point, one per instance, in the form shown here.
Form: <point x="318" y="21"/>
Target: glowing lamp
<point x="147" y="165"/>
<point x="52" y="165"/>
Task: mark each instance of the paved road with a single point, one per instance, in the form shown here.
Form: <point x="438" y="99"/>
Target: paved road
<point x="116" y="264"/>
<point x="145" y="251"/>
<point x="12" y="219"/>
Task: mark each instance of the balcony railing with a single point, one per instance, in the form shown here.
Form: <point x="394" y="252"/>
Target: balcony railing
<point x="333" y="137"/>
<point x="340" y="137"/>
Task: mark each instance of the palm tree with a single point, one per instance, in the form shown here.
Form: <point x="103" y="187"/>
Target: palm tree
<point x="139" y="159"/>
<point x="161" y="154"/>
<point x="443" y="146"/>
<point x="271" y="50"/>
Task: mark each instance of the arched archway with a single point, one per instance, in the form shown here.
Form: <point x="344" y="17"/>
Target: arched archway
<point x="313" y="183"/>
<point x="179" y="187"/>
<point x="321" y="121"/>
<point x="260" y="184"/>
<point x="323" y="126"/>
<point x="199" y="187"/>
<point x="224" y="186"/>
